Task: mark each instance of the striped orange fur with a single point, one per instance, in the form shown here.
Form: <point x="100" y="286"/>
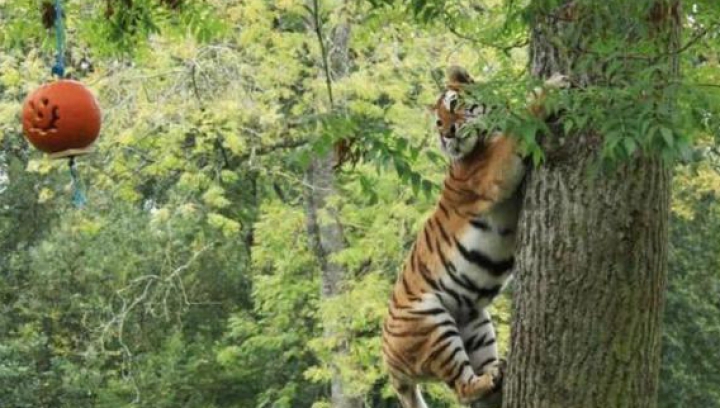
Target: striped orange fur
<point x="437" y="326"/>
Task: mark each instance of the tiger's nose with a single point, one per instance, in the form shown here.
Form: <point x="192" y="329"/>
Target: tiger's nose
<point x="450" y="134"/>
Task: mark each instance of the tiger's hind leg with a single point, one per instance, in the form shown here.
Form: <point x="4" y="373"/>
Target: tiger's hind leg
<point x="479" y="338"/>
<point x="408" y="393"/>
<point x="450" y="362"/>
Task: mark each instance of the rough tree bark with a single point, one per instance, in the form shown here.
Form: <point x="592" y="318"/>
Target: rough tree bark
<point x="323" y="223"/>
<point x="591" y="268"/>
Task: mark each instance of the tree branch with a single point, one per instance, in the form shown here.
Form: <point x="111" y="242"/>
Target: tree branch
<point x="317" y="23"/>
<point x="264" y="150"/>
<point x="503" y="48"/>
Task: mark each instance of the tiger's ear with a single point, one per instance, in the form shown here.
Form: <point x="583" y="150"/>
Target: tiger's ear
<point x="458" y="76"/>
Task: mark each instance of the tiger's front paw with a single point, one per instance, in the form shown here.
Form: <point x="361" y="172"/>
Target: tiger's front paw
<point x="494" y="398"/>
<point x="498" y="379"/>
<point x="497" y="372"/>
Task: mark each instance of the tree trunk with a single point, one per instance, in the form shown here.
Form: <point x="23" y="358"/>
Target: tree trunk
<point x="323" y="223"/>
<point x="591" y="267"/>
<point x="590" y="285"/>
<point x="326" y="236"/>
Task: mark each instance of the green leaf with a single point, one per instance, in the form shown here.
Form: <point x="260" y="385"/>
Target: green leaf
<point x="667" y="135"/>
<point x="630" y="145"/>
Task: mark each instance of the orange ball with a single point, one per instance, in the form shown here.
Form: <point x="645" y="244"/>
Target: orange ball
<point x="61" y="118"/>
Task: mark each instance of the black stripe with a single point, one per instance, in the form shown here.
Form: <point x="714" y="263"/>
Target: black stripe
<point x="454" y="177"/>
<point x="404" y="318"/>
<point x="470" y="286"/>
<point x="406" y="286"/>
<point x="444" y="234"/>
<point x="390" y="352"/>
<point x="448" y="334"/>
<point x="467" y="284"/>
<point x="450" y="291"/>
<point x="396" y="304"/>
<point x="469" y="342"/>
<point x="452" y="189"/>
<point x="504" y="232"/>
<point x="488" y="342"/>
<point x="427" y="240"/>
<point x="487" y="361"/>
<point x="461" y="283"/>
<point x="428" y="312"/>
<point x="459" y="373"/>
<point x="444" y="209"/>
<point x="413" y="260"/>
<point x="387" y="330"/>
<point x="482" y="293"/>
<point x="450" y="270"/>
<point x="480" y="324"/>
<point x="462" y="214"/>
<point x="413" y="332"/>
<point x="408" y="333"/>
<point x="478" y="342"/>
<point x="482" y="342"/>
<point x="430" y="223"/>
<point x="451" y="357"/>
<point x="480" y="224"/>
<point x="481" y="260"/>
<point x="468" y="302"/>
<point x="427" y="276"/>
<point x="489" y="293"/>
<point x="431" y="358"/>
<point x="395" y="366"/>
<point x="442" y="302"/>
<point x="447" y="264"/>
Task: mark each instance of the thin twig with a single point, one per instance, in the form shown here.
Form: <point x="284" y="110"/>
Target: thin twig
<point x="323" y="50"/>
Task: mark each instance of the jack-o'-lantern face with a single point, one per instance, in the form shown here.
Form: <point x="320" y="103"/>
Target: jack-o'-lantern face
<point x="43" y="117"/>
<point x="61" y="117"/>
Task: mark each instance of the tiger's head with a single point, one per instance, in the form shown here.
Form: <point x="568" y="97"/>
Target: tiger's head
<point x="451" y="114"/>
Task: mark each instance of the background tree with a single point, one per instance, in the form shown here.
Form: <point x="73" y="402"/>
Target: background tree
<point x="323" y="224"/>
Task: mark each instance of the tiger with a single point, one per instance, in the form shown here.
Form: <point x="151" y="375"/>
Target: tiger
<point x="437" y="326"/>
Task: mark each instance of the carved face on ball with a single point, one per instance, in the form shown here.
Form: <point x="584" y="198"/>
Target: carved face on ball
<point x="61" y="116"/>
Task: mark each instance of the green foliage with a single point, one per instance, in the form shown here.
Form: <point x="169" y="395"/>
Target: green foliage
<point x="646" y="109"/>
<point x="692" y="317"/>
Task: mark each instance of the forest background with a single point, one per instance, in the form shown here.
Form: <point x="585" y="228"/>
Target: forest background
<point x="189" y="279"/>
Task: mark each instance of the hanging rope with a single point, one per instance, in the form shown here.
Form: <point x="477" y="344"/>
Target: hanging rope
<point x="78" y="195"/>
<point x="59" y="68"/>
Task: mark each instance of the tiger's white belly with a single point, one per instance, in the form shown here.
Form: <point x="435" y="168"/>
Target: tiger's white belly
<point x="484" y="259"/>
<point x="498" y="243"/>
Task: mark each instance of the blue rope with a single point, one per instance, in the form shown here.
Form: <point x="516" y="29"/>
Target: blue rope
<point x="59" y="68"/>
<point x="78" y="197"/>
